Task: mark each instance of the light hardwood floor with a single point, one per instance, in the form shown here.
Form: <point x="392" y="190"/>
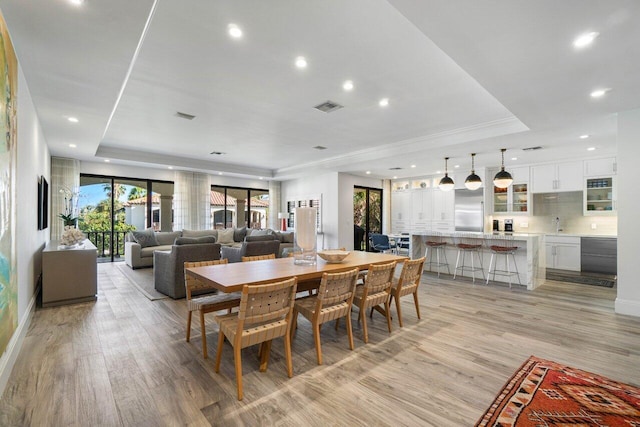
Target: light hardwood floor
<point x="123" y="360"/>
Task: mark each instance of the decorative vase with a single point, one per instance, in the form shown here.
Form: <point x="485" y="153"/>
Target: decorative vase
<point x="304" y="252"/>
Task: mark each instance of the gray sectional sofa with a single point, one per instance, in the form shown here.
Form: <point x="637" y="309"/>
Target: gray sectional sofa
<point x="140" y="245"/>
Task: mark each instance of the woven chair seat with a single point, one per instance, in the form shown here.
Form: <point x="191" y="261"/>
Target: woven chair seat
<point x="406" y="289"/>
<point x="214" y="302"/>
<point x="256" y="334"/>
<point x="307" y="307"/>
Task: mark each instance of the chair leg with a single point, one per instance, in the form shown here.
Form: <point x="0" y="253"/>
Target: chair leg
<point x="337" y="323"/>
<point x="294" y="323"/>
<point x="189" y="325"/>
<point x="264" y="356"/>
<point x="316" y="339"/>
<point x="399" y="310"/>
<point x="287" y="353"/>
<point x="219" y="350"/>
<point x="489" y="274"/>
<point x="415" y="300"/>
<point x="387" y="310"/>
<point x="365" y="332"/>
<point x="237" y="356"/>
<point x="204" y="335"/>
<point x="350" y="333"/>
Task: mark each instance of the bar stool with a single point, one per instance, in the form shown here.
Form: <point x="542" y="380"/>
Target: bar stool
<point x="503" y="245"/>
<point x="468" y="243"/>
<point x="437" y="244"/>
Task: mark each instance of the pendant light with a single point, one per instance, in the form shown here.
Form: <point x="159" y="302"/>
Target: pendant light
<point x="473" y="181"/>
<point x="503" y="179"/>
<point x="446" y="183"/>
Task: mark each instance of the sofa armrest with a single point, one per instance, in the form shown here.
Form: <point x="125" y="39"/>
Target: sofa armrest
<point x="163" y="272"/>
<point x="231" y="253"/>
<point x="132" y="254"/>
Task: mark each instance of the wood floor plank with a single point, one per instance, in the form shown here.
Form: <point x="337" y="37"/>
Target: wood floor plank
<point x="124" y="360"/>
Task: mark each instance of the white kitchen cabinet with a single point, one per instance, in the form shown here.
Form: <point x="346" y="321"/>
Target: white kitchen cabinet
<point x="443" y="205"/>
<point x="600" y="167"/>
<point x="557" y="177"/>
<point x="421" y="209"/>
<point x="600" y="195"/>
<point x="400" y="211"/>
<point x="563" y="252"/>
<point x="515" y="198"/>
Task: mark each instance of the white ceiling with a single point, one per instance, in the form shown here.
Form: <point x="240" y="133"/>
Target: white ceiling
<point x="462" y="76"/>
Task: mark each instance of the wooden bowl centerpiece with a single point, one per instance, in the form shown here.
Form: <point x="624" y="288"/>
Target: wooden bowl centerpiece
<point x="333" y="256"/>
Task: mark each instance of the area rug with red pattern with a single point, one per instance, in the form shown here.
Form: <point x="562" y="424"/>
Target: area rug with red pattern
<point x="545" y="393"/>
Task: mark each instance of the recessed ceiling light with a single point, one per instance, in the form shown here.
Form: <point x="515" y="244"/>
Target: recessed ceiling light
<point x="456" y="166"/>
<point x="438" y="171"/>
<point x="413" y="166"/>
<point x="72" y="119"/>
<point x="72" y="145"/>
<point x="585" y="40"/>
<point x="591" y="149"/>
<point x="368" y="172"/>
<point x="170" y="167"/>
<point x="384" y="102"/>
<point x="219" y="173"/>
<point x="107" y="160"/>
<point x="261" y="178"/>
<point x="598" y="93"/>
<point x="348" y="85"/>
<point x="234" y="31"/>
<point x="76" y="2"/>
<point x="301" y="62"/>
<point x="514" y="158"/>
<point x="395" y="177"/>
<point x="585" y="136"/>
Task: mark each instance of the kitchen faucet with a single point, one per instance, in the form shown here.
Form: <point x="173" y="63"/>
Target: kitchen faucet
<point x="558" y="229"/>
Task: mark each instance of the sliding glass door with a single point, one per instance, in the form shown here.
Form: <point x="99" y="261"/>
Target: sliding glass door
<point x="367" y="215"/>
<point x="109" y="207"/>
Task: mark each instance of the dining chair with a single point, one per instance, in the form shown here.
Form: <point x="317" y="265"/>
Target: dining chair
<point x="375" y="291"/>
<point x="408" y="283"/>
<point x="258" y="257"/>
<point x="332" y="302"/>
<point x="207" y="303"/>
<point x="265" y="313"/>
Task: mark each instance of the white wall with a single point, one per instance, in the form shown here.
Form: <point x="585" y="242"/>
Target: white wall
<point x="33" y="160"/>
<point x="628" y="300"/>
<point x="337" y="203"/>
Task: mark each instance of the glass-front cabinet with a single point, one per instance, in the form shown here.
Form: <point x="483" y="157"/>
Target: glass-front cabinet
<point x="600" y="196"/>
<point x="513" y="199"/>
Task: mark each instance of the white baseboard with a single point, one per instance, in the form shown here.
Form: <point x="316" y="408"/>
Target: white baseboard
<point x="628" y="307"/>
<point x="10" y="356"/>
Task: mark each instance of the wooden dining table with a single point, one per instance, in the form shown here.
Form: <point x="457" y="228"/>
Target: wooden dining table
<point x="232" y="277"/>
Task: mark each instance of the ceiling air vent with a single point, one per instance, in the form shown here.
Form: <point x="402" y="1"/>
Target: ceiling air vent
<point x="328" y="106"/>
<point x="320" y="147"/>
<point x="185" y="115"/>
<point x="532" y="148"/>
<point x="217" y="153"/>
<point x="396" y="168"/>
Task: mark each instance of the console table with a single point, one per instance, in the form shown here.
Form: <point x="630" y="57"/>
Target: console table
<point x="69" y="275"/>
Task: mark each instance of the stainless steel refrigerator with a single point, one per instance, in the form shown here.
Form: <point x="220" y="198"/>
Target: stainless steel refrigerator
<point x="469" y="210"/>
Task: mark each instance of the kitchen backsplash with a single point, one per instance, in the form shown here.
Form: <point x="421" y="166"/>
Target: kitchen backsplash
<point x="565" y="206"/>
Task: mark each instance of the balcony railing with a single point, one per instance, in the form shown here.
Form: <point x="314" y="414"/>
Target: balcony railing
<point x="102" y="240"/>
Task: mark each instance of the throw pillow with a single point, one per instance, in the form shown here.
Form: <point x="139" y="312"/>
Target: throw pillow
<point x="263" y="232"/>
<point x="226" y="236"/>
<point x="194" y="240"/>
<point x="145" y="238"/>
<point x="239" y="234"/>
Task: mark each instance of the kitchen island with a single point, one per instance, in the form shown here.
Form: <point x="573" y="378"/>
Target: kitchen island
<point x="530" y="256"/>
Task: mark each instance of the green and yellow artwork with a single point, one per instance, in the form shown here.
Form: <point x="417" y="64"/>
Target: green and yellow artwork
<point x="8" y="139"/>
